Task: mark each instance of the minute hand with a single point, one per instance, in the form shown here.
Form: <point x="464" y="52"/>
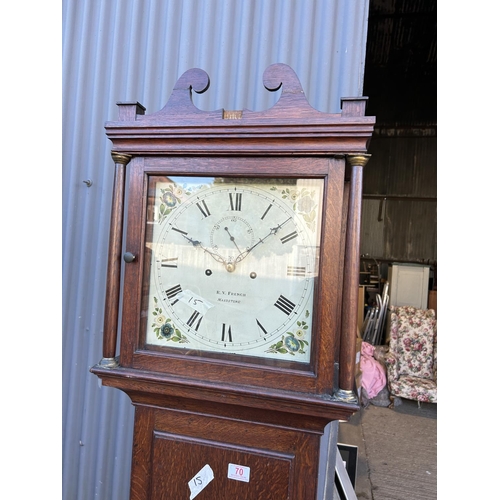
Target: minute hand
<point x="273" y="230"/>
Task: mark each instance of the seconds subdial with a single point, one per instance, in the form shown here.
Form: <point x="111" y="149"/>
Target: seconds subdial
<point x="231" y="236"/>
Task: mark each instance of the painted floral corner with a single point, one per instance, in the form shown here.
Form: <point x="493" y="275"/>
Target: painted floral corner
<point x="169" y="198"/>
<point x="163" y="327"/>
<point x="303" y="203"/>
<point x="292" y="342"/>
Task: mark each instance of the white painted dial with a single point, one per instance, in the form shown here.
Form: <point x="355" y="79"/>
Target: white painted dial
<point x="233" y="266"/>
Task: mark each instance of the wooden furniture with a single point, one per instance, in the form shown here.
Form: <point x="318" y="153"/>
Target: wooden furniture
<point x="361" y="306"/>
<point x="240" y="285"/>
<point x="432" y="301"/>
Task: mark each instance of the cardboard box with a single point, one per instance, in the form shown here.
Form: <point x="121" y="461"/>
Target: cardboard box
<point x="357" y="376"/>
<point x="358" y="384"/>
<point x="359" y="341"/>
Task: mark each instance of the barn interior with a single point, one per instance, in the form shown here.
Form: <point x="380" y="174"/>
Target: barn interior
<point x="395" y="439"/>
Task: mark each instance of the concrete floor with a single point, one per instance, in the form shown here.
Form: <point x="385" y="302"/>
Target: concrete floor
<point x="397" y="451"/>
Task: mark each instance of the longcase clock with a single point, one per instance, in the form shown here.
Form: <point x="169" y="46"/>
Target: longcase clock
<point x="238" y="268"/>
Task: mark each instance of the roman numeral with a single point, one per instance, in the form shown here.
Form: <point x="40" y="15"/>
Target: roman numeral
<point x="235" y="201"/>
<point x="228" y="332"/>
<point x="265" y="213"/>
<point x="289" y="237"/>
<point x="295" y="271"/>
<point x="261" y="327"/>
<point x="285" y="305"/>
<point x="203" y="209"/>
<point x="169" y="262"/>
<point x="172" y="292"/>
<point x="193" y="318"/>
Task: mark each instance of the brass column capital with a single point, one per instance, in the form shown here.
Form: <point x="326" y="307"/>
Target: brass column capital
<point x="358" y="160"/>
<point x="121" y="158"/>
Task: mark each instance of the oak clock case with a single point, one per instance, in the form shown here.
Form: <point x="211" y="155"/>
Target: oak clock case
<point x="235" y="309"/>
<point x="232" y="279"/>
<point x="232" y="265"/>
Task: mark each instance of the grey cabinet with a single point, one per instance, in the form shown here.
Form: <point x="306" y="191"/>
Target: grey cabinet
<point x="408" y="285"/>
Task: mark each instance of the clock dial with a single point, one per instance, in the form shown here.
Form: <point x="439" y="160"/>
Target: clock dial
<point x="233" y="266"/>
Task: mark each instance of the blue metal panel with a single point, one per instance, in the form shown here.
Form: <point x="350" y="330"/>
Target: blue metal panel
<point x="119" y="50"/>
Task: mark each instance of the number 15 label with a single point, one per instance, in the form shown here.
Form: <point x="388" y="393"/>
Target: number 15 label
<point x="238" y="472"/>
<point x="200" y="480"/>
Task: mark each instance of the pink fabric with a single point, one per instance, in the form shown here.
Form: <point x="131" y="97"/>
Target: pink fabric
<point x="373" y="377"/>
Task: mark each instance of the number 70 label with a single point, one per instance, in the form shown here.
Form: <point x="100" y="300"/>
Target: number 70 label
<point x="238" y="472"/>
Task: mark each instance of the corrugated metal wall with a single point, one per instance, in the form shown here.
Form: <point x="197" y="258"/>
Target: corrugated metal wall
<point x="119" y="50"/>
<point x="399" y="219"/>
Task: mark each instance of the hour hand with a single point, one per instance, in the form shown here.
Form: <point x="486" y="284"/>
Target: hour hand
<point x="197" y="243"/>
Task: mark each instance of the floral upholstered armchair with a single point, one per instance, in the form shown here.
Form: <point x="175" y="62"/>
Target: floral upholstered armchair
<point x="412" y="358"/>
